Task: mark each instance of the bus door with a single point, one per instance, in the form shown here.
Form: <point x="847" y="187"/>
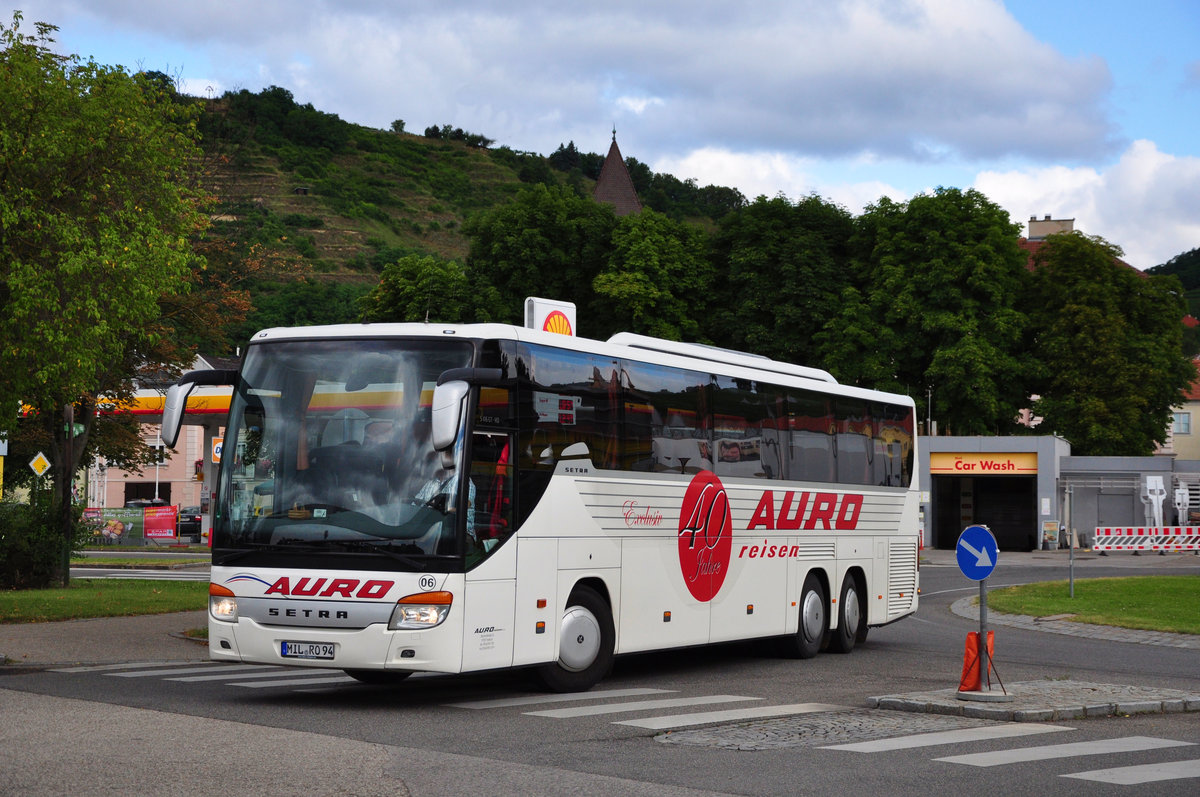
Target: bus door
<point x="489" y="602"/>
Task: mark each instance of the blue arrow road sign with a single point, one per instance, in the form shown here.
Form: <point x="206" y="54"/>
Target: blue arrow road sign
<point x="977" y="552"/>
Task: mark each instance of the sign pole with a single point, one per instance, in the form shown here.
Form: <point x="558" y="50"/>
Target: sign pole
<point x="983" y="632"/>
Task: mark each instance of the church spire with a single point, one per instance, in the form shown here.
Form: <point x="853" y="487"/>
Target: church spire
<point x="614" y="185"/>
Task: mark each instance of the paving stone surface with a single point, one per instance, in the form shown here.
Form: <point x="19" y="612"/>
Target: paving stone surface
<point x="818" y="729"/>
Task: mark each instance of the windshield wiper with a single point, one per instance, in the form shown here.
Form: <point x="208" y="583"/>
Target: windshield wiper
<point x="384" y="548"/>
<point x="249" y="548"/>
<point x="291" y="544"/>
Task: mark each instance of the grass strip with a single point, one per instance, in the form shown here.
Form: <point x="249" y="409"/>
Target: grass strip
<point x="133" y="561"/>
<point x="98" y="597"/>
<point x="1149" y="603"/>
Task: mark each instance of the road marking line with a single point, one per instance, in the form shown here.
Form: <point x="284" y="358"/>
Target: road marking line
<point x="178" y="671"/>
<point x="505" y="702"/>
<point x="1004" y="731"/>
<point x="1128" y="744"/>
<point x="1145" y="773"/>
<point x="267" y="672"/>
<point x="129" y="665"/>
<point x="335" y="679"/>
<point x="730" y="715"/>
<point x="638" y="705"/>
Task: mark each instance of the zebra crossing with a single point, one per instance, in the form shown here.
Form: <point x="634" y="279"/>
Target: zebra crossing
<point x="1134" y="775"/>
<point x="246" y="676"/>
<point x="590" y="708"/>
<point x="666" y="709"/>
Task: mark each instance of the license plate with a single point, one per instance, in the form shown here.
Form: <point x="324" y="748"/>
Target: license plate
<point x="307" y="650"/>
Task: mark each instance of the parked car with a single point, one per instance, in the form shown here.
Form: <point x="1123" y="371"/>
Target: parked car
<point x="189" y="523"/>
<point x="142" y="503"/>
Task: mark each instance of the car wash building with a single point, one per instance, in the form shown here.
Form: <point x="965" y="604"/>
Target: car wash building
<point x="1033" y="494"/>
<point x="1009" y="484"/>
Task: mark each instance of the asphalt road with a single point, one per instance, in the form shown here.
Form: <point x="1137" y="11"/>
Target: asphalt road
<point x="185" y="727"/>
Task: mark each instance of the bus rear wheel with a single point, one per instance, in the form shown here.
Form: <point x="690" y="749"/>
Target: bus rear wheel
<point x="814" y="622"/>
<point x="586" y="640"/>
<point x="851" y="621"/>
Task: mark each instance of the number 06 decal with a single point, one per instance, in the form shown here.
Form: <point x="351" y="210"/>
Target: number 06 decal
<point x="705" y="536"/>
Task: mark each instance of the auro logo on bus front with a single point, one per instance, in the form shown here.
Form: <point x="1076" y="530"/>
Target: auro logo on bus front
<point x="705" y="536"/>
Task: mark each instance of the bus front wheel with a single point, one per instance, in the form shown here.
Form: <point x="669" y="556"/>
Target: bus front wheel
<point x="586" y="640"/>
<point x="814" y="622"/>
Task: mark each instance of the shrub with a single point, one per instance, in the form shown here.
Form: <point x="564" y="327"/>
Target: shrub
<point x="303" y="220"/>
<point x="31" y="549"/>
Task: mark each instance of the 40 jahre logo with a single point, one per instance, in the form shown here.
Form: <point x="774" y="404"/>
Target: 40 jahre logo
<point x="705" y="536"/>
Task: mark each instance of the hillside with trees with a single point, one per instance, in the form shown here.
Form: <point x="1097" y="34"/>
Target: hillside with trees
<point x="339" y="202"/>
<point x="1186" y="266"/>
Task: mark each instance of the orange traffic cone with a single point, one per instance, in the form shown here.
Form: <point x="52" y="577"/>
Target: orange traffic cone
<point x="970" y="681"/>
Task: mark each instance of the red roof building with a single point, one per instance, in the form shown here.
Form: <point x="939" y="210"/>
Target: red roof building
<point x="1039" y="229"/>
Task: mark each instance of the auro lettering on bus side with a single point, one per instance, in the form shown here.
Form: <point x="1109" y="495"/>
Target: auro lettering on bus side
<point x="840" y="510"/>
<point x="331" y="587"/>
<point x="705" y="536"/>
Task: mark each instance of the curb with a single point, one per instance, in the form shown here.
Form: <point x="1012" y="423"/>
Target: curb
<point x="149" y="566"/>
<point x="966" y="607"/>
<point x="1048" y="701"/>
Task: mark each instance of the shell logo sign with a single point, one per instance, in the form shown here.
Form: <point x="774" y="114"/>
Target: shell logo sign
<point x="549" y="315"/>
<point x="558" y="322"/>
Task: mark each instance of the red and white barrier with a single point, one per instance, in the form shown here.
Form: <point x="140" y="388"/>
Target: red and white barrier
<point x="1148" y="538"/>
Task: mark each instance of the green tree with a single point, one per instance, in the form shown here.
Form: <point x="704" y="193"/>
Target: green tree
<point x="97" y="204"/>
<point x="546" y="242"/>
<point x="784" y="266"/>
<point x="1186" y="266"/>
<point x="1107" y="340"/>
<point x="940" y="277"/>
<point x="416" y="288"/>
<point x="656" y="280"/>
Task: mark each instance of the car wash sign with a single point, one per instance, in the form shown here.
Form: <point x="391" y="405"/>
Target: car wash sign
<point x="1020" y="463"/>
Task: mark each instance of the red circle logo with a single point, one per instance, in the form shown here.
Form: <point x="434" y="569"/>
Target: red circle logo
<point x="705" y="536"/>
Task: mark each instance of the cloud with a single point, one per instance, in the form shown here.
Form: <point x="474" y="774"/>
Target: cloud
<point x="638" y="105"/>
<point x="1148" y="202"/>
<point x="922" y="80"/>
<point x="1191" y="77"/>
<point x="772" y="174"/>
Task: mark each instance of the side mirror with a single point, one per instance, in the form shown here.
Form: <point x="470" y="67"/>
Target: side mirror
<point x="173" y="409"/>
<point x="449" y="399"/>
<point x="177" y="396"/>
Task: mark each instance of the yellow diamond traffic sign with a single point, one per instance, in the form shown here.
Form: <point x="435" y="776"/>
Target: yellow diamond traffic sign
<point x="40" y="464"/>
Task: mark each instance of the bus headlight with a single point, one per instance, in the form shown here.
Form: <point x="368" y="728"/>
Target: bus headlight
<point x="420" y="611"/>
<point x="222" y="603"/>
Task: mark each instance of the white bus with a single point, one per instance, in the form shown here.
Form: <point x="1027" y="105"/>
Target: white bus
<point x="396" y="498"/>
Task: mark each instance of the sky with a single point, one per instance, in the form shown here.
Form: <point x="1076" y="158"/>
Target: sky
<point x="1077" y="110"/>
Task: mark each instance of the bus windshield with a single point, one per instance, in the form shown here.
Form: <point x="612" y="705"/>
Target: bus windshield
<point x="328" y="451"/>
